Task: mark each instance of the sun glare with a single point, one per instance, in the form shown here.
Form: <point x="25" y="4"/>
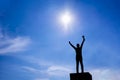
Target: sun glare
<point x="66" y="19"/>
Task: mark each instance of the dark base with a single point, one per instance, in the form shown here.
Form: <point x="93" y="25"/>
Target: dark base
<point x="80" y="76"/>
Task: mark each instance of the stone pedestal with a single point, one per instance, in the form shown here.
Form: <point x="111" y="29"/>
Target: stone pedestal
<point x="80" y="76"/>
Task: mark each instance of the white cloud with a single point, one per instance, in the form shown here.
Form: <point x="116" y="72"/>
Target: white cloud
<point x="61" y="71"/>
<point x="58" y="70"/>
<point x="47" y="68"/>
<point x="105" y="74"/>
<point x="30" y="69"/>
<point x="8" y="45"/>
<point x="36" y="72"/>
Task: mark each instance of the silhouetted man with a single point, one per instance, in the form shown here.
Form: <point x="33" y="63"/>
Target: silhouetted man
<point x="78" y="50"/>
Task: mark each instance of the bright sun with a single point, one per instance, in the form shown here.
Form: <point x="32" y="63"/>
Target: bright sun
<point x="66" y="19"/>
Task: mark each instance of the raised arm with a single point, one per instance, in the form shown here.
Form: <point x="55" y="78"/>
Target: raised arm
<point x="83" y="41"/>
<point x="71" y="45"/>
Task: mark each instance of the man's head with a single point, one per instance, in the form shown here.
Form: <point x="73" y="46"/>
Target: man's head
<point x="78" y="45"/>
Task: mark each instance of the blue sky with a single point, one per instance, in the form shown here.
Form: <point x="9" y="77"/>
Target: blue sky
<point x="34" y="46"/>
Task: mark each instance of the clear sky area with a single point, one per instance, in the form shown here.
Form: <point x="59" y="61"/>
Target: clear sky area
<point x="34" y="42"/>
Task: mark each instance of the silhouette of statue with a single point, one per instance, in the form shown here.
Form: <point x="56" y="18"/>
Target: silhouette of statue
<point x="78" y="50"/>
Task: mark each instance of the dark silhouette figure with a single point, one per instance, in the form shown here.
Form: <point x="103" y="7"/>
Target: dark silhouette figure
<point x="78" y="50"/>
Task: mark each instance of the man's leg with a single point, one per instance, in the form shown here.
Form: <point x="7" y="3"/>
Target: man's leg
<point x="77" y="66"/>
<point x="82" y="67"/>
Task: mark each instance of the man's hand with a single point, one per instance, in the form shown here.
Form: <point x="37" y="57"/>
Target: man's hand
<point x="72" y="45"/>
<point x="83" y="37"/>
<point x="69" y="42"/>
